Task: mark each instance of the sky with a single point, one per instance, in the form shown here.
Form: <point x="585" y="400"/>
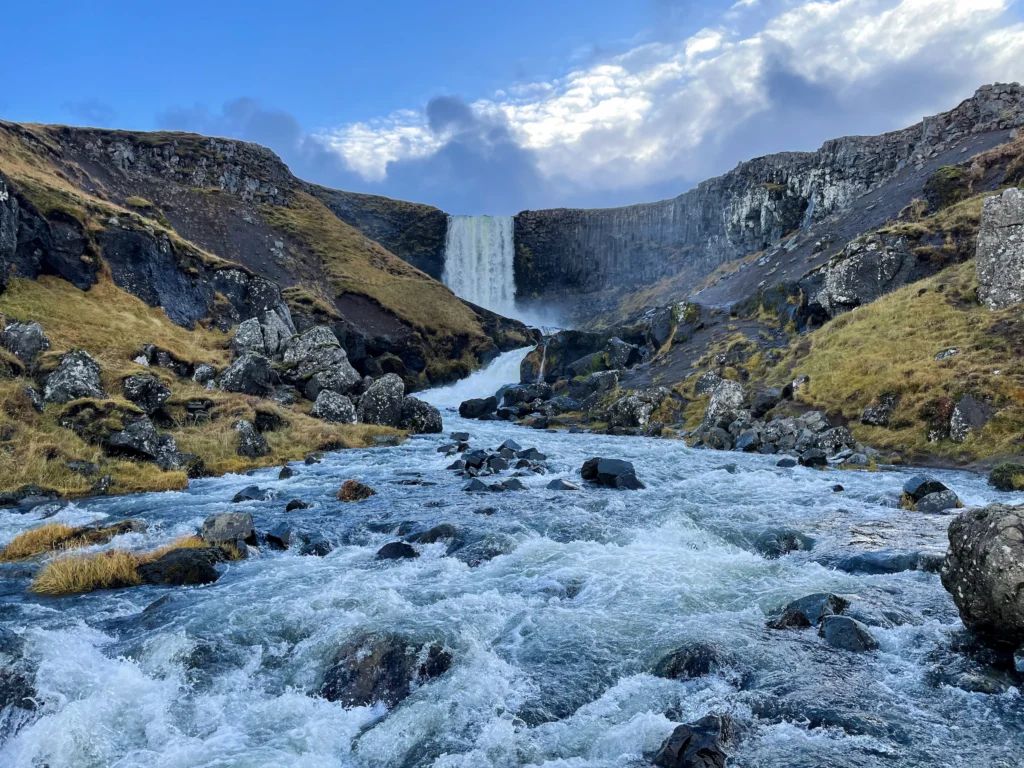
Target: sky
<point x="495" y="107"/>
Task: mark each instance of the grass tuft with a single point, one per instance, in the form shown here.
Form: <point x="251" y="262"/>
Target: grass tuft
<point x="86" y="573"/>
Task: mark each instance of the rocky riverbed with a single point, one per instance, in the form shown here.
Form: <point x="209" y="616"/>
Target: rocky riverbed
<point x="435" y="626"/>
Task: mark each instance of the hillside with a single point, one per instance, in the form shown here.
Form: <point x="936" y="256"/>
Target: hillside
<point x="117" y="242"/>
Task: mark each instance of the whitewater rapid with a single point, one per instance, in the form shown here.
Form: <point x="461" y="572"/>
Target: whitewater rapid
<point x="553" y="638"/>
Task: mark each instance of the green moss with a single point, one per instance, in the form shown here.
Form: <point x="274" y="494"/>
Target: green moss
<point x="948" y="185"/>
<point x="138" y="202"/>
<point x="1008" y="476"/>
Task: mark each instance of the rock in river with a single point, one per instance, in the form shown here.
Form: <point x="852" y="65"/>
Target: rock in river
<point x="611" y="473"/>
<point x="703" y="744"/>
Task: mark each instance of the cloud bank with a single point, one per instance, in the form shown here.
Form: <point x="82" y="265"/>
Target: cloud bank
<point x="652" y="121"/>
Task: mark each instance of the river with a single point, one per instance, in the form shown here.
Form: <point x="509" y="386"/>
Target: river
<point x="553" y="638"/>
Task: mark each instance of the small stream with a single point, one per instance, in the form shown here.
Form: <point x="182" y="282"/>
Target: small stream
<point x="553" y="637"/>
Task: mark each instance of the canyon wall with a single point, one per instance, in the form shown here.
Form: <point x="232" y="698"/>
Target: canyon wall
<point x="586" y="256"/>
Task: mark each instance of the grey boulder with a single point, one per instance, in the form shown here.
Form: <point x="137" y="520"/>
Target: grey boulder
<point x="251" y="444"/>
<point x="250" y="374"/>
<point x="420" y="418"/>
<point x="146" y="391"/>
<point x="77" y="376"/>
<point x="382" y="403"/>
<point x="24" y="340"/>
<point x="334" y="408"/>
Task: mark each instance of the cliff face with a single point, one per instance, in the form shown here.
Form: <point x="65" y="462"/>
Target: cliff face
<point x="586" y="257"/>
<point x="413" y="232"/>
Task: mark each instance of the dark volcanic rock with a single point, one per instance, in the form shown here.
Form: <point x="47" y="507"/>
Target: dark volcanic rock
<point x="229" y="528"/>
<point x="809" y="611"/>
<point x="182" y="566"/>
<point x="381" y="668"/>
<point x="382" y="402"/>
<point x="846" y="634"/>
<point x="479" y="408"/>
<point x="296" y="504"/>
<point x="420" y="418"/>
<point x="611" y="473"/>
<point x="969" y="415"/>
<point x="561" y="485"/>
<point x="776" y="543"/>
<point x="333" y="408"/>
<point x="250" y="375"/>
<point x="77" y="376"/>
<point x="703" y="744"/>
<point x="24" y="340"/>
<point x="251" y="444"/>
<point x="691" y="661"/>
<point x="984" y="571"/>
<point x="879" y="415"/>
<point x="146" y="391"/>
<point x="251" y="493"/>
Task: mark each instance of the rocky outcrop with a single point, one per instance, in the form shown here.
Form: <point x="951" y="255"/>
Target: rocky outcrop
<point x="984" y="571"/>
<point x="24" y="340"/>
<point x="867" y="269"/>
<point x="77" y="376"/>
<point x="1000" y="255"/>
<point x="250" y="374"/>
<point x="146" y="391"/>
<point x="567" y="253"/>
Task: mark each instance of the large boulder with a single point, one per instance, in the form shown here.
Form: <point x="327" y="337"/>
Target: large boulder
<point x="316" y="361"/>
<point x="381" y="668"/>
<point x="248" y="339"/>
<point x="725" y="406"/>
<point x="251" y="444"/>
<point x="880" y="413"/>
<point x="146" y="391"/>
<point x="999" y="259"/>
<point x="334" y="408"/>
<point x="382" y="402"/>
<point x="250" y="374"/>
<point x="140" y="440"/>
<point x="24" y="340"/>
<point x="478" y="408"/>
<point x="278" y="329"/>
<point x="179" y="567"/>
<point x="77" y="376"/>
<point x="703" y="744"/>
<point x="969" y="415"/>
<point x="420" y="418"/>
<point x="865" y="270"/>
<point x="926" y="494"/>
<point x="620" y="354"/>
<point x="984" y="571"/>
<point x="229" y="528"/>
<point x="611" y="473"/>
<point x="634" y="410"/>
<point x="846" y="634"/>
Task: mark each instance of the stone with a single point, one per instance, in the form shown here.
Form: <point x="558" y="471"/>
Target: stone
<point x="864" y="271"/>
<point x="832" y="441"/>
<point x="984" y="570"/>
<point x="999" y="259"/>
<point x="77" y="376"/>
<point x="397" y="550"/>
<point x="251" y="444"/>
<point x="847" y="634"/>
<point x="420" y="418"/>
<point x="970" y="415"/>
<point x="880" y="414"/>
<point x="250" y="374"/>
<point x="707" y="383"/>
<point x="204" y="373"/>
<point x="316" y="545"/>
<point x="814" y="458"/>
<point x="691" y="661"/>
<point x="296" y="504"/>
<point x="353" y="490"/>
<point x="286" y="473"/>
<point x="611" y="473"/>
<point x="442" y="532"/>
<point x="280" y="536"/>
<point x="809" y="611"/>
<point x="1007" y="476"/>
<point x="725" y="405"/>
<point x="381" y="668"/>
<point x="140" y="440"/>
<point x="916" y="488"/>
<point x="229" y="528"/>
<point x="703" y="744"/>
<point x="786" y="463"/>
<point x="462" y="437"/>
<point x="304" y="346"/>
<point x="278" y="329"/>
<point x="514" y="484"/>
<point x="633" y="411"/>
<point x="382" y="403"/>
<point x="146" y="391"/>
<point x="478" y="408"/>
<point x="248" y="339"/>
<point x="561" y="485"/>
<point x="333" y="408"/>
<point x="815" y="421"/>
<point x="24" y="340"/>
<point x="619" y="354"/>
<point x="180" y="567"/>
<point x="748" y="441"/>
<point x="476" y="486"/>
<point x="765" y="401"/>
<point x="776" y="543"/>
<point x="935" y="503"/>
<point x="252" y="493"/>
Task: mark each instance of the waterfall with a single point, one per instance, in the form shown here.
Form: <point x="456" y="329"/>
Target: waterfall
<point x="478" y="261"/>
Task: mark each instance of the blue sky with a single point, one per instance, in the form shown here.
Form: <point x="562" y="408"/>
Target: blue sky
<point x="494" y="107"/>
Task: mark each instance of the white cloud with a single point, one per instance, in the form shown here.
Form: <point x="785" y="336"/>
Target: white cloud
<point x="658" y="111"/>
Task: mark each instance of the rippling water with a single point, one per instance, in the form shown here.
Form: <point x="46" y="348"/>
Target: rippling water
<point x="553" y="639"/>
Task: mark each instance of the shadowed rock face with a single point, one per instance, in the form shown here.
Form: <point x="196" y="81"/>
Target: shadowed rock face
<point x="572" y="254"/>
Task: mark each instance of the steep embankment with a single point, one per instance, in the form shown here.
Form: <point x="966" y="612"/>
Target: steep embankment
<point x="803" y="206"/>
<point x="145" y="250"/>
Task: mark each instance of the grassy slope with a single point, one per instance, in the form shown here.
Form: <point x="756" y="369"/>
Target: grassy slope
<point x="889" y="346"/>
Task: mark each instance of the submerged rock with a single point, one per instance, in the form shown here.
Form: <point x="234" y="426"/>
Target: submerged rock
<point x="809" y="611"/>
<point x="397" y="550"/>
<point x="774" y="544"/>
<point x="703" y="744"/>
<point x="984" y="571"/>
<point x="691" y="661"/>
<point x="179" y="567"/>
<point x="562" y="485"/>
<point x="381" y="668"/>
<point x="846" y="634"/>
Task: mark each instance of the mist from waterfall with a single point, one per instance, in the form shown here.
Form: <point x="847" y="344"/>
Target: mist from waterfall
<point x="478" y="261"/>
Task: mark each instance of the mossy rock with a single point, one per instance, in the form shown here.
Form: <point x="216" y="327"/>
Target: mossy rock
<point x="1008" y="476"/>
<point x="948" y="185"/>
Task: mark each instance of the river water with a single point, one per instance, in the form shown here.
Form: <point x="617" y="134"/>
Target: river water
<point x="552" y="639"/>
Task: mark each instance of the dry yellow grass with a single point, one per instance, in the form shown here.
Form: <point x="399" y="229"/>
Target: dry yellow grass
<point x="36" y="541"/>
<point x="86" y="573"/>
<point x="353" y="262"/>
<point x="889" y="346"/>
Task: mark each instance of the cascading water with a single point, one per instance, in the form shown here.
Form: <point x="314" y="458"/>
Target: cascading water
<point x="478" y="261"/>
<point x="554" y="605"/>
